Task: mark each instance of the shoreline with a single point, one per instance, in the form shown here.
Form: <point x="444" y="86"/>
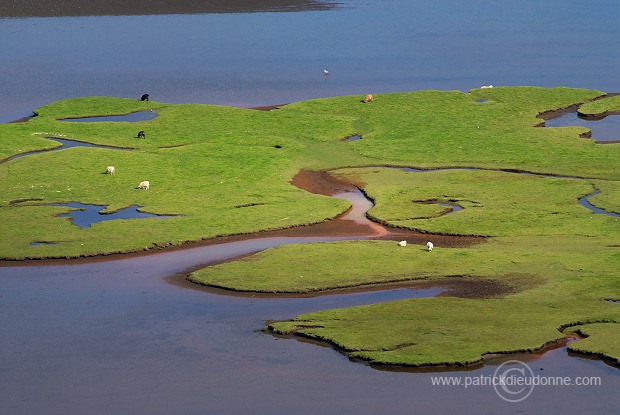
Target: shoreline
<point x="490" y="358"/>
<point x="320" y="182"/>
<point x="79" y="8"/>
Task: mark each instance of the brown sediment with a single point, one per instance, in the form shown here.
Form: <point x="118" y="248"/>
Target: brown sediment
<point x="267" y="107"/>
<point x="58" y="8"/>
<point x="584" y="354"/>
<point x="22" y="119"/>
<point x="491" y="358"/>
<point x="548" y="115"/>
<point x="552" y="114"/>
<point x="319" y="182"/>
<point x="597" y="117"/>
<point x="556" y="113"/>
<point x="454" y="286"/>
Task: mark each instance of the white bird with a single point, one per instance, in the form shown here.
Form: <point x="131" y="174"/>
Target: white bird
<point x="326" y="72"/>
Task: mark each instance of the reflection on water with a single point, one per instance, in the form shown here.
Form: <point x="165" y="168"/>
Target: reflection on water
<point x="115" y="338"/>
<point x="604" y="130"/>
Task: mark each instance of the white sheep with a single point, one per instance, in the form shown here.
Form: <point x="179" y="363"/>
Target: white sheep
<point x="429" y="245"/>
<point x="402" y="243"/>
<point x="486" y="86"/>
<point x="144" y="185"/>
<point x="110" y="170"/>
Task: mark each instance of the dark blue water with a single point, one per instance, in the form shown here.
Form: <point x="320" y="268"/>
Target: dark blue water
<point x="372" y="46"/>
<point x="65" y="144"/>
<point x="114" y="337"/>
<point x="84" y="215"/>
<point x="353" y="138"/>
<point x="605" y="130"/>
<point x="585" y="203"/>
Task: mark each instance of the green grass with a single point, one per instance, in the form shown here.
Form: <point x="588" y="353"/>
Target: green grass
<point x="326" y="266"/>
<point x="555" y="282"/>
<point x="227" y="170"/>
<point x="551" y="282"/>
<point x="601" y="340"/>
<point x="203" y="161"/>
<point x="445" y="331"/>
<point x="494" y="203"/>
<point x="601" y="106"/>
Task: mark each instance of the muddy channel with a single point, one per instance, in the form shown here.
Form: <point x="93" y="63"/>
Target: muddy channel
<point x="127" y="336"/>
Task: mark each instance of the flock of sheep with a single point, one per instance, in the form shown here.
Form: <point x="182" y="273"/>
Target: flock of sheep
<point x="146" y="185"/>
<point x="111" y="170"/>
<point x="143" y="185"/>
<point x="429" y="245"/>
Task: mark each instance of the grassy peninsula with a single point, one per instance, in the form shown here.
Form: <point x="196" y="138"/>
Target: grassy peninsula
<point x="225" y="171"/>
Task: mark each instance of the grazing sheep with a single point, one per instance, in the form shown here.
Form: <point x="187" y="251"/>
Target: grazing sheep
<point x="144" y="185"/>
<point x="402" y="243"/>
<point x="141" y="134"/>
<point x="486" y="86"/>
<point x="367" y="98"/>
<point x="110" y="170"/>
<point x="144" y="97"/>
<point x="429" y="245"/>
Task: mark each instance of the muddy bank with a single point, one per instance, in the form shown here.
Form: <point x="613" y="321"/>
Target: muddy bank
<point x="321" y="182"/>
<point x="488" y="359"/>
<point x="547" y="115"/>
<point x="57" y="8"/>
<point x="342" y="226"/>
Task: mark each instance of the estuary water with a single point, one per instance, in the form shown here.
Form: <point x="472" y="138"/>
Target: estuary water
<point x="117" y="337"/>
<point x="259" y="58"/>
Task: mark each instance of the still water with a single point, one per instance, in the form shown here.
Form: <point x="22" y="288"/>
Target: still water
<point x="116" y="337"/>
<point x="250" y="59"/>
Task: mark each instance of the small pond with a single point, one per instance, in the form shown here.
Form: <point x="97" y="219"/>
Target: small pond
<point x="603" y="131"/>
<point x="353" y="138"/>
<point x="131" y="117"/>
<point x="455" y="207"/>
<point x="41" y="243"/>
<point x="84" y="215"/>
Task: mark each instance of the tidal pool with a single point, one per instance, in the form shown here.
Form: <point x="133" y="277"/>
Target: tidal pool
<point x="84" y="215"/>
<point x="65" y="144"/>
<point x="131" y="117"/>
<point x="455" y="207"/>
<point x="605" y="130"/>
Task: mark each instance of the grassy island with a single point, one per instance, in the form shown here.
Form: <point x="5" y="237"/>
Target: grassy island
<point x="554" y="263"/>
